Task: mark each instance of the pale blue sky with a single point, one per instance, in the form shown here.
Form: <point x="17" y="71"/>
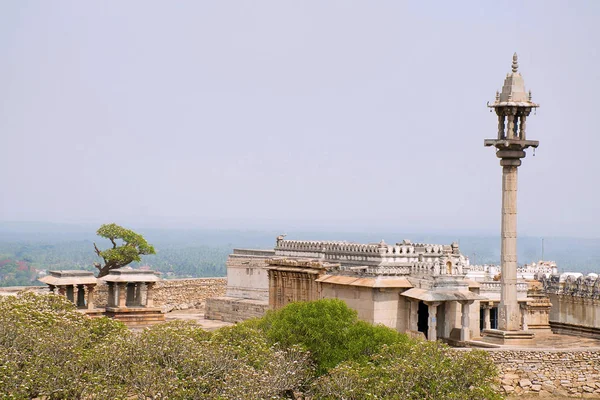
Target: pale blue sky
<point x="295" y="114"/>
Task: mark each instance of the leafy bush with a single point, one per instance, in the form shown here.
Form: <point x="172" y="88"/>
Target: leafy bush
<point x="329" y="330"/>
<point x="50" y="351"/>
<point x="412" y="370"/>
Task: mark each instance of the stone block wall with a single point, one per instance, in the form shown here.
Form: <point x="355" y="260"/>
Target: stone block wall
<point x="571" y="373"/>
<point x="177" y="294"/>
<point x="232" y="309"/>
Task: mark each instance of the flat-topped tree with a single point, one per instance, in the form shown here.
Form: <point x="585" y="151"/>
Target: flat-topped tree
<point x="127" y="247"/>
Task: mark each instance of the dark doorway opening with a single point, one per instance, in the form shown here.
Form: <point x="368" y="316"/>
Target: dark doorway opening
<point x="481" y="319"/>
<point x="494" y="317"/>
<point x="80" y="296"/>
<point x="423" y="314"/>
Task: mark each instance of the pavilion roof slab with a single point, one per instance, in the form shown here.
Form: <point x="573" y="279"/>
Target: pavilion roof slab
<point x="374" y="282"/>
<point x="433" y="295"/>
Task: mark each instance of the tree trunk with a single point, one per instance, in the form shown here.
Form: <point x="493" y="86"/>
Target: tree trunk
<point x="104" y="271"/>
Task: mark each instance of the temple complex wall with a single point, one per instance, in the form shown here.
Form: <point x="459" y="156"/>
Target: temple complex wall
<point x="572" y="373"/>
<point x="575" y="303"/>
<point x="575" y="315"/>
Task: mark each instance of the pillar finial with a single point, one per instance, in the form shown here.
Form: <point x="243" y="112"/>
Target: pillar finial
<point x="515" y="63"/>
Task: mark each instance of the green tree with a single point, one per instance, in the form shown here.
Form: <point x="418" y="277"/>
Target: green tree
<point x="329" y="330"/>
<point x="132" y="247"/>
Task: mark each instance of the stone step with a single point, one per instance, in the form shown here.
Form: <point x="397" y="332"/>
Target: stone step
<point x="485" y="345"/>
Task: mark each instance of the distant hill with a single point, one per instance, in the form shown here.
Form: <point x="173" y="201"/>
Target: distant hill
<point x="198" y="252"/>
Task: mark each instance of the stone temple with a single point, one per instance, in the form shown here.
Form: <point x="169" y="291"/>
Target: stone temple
<point x="428" y="290"/>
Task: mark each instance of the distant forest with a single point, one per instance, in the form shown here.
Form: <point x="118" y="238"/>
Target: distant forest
<point x="26" y="249"/>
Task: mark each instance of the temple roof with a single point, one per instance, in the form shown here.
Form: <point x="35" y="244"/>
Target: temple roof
<point x="513" y="91"/>
<point x="441" y="295"/>
<point x="375" y="282"/>
<point x="69" y="277"/>
<point x="130" y="275"/>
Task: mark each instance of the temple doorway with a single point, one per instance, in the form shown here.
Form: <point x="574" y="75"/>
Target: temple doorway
<point x="422" y="316"/>
<point x="494" y="317"/>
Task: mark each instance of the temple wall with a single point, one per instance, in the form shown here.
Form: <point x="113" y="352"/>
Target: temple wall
<point x="549" y="372"/>
<point x="358" y="298"/>
<point x="247" y="277"/>
<point x="575" y="315"/>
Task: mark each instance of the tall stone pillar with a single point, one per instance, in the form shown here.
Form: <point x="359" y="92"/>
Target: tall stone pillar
<point x="509" y="307"/>
<point x="512" y="106"/>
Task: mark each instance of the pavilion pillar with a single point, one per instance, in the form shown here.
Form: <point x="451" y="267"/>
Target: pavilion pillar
<point x="465" y="333"/>
<point x="90" y="296"/>
<point x="414" y="315"/>
<point x="122" y="290"/>
<point x="111" y="294"/>
<point x="138" y="294"/>
<point x="524" y="317"/>
<point x="432" y="321"/>
<point x="62" y="290"/>
<point x="487" y="322"/>
<point x="150" y="294"/>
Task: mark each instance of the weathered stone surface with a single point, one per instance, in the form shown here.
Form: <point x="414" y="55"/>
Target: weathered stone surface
<point x="177" y="294"/>
<point x="567" y="373"/>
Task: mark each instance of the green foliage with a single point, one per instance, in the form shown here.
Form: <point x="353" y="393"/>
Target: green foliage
<point x="45" y="344"/>
<point x="329" y="329"/>
<point x="49" y="350"/>
<point x="132" y="247"/>
<point x="412" y="370"/>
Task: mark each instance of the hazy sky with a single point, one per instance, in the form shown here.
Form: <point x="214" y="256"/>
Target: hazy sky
<point x="295" y="114"/>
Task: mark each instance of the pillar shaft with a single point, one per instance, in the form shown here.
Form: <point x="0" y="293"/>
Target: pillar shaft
<point x="432" y="323"/>
<point x="487" y="323"/>
<point x="122" y="295"/>
<point x="150" y="294"/>
<point x="465" y="322"/>
<point x="524" y="318"/>
<point x="414" y="315"/>
<point x="90" y="297"/>
<point x="509" y="308"/>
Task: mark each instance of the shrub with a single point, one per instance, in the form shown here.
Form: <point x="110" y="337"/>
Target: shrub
<point x="412" y="370"/>
<point x="329" y="330"/>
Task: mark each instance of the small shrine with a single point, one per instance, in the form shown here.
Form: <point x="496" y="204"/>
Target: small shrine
<point x="130" y="297"/>
<point x="77" y="286"/>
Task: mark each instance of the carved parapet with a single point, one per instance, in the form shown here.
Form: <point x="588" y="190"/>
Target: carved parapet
<point x="302" y="263"/>
<point x="571" y="284"/>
